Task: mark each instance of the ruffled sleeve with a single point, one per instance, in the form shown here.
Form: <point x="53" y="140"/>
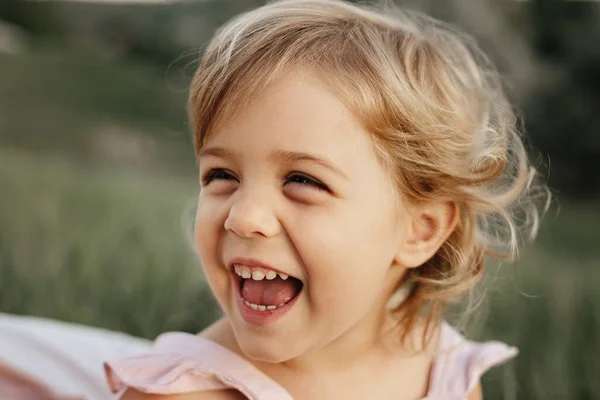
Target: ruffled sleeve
<point x="461" y="363"/>
<point x="183" y="363"/>
<point x="160" y="374"/>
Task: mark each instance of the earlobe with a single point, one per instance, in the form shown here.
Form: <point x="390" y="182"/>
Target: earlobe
<point x="429" y="228"/>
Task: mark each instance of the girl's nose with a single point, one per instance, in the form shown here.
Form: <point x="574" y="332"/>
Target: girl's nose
<point x="252" y="215"/>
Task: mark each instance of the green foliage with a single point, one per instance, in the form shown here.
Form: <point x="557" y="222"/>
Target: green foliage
<point x="562" y="109"/>
<point x="64" y="101"/>
<point x="39" y="18"/>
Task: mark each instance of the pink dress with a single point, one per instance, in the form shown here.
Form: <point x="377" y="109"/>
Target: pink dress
<point x="183" y="363"/>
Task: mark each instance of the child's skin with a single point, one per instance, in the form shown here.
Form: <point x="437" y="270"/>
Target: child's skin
<point x="350" y="245"/>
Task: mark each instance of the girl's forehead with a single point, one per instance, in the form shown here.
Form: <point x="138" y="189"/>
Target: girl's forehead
<point x="296" y="104"/>
<point x="298" y="118"/>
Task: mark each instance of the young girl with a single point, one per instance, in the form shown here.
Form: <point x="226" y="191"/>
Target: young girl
<point x="356" y="168"/>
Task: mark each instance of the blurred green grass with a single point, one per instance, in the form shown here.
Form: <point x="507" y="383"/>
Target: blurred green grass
<point x="106" y="247"/>
<point x="98" y="246"/>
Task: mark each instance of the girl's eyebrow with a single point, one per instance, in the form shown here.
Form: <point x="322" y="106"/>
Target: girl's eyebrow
<point x="295" y="156"/>
<point x="220" y="152"/>
<point x="278" y="155"/>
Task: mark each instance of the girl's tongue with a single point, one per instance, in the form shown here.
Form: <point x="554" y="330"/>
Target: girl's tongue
<point x="270" y="292"/>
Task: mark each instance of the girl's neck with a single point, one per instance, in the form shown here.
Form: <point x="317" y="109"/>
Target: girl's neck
<point x="369" y="340"/>
<point x="357" y="361"/>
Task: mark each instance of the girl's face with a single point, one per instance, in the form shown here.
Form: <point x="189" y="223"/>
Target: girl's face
<point x="292" y="186"/>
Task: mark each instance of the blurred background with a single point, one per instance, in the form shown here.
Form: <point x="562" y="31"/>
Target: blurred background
<point x="98" y="184"/>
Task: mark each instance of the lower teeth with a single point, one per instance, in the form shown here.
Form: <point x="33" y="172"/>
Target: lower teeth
<point x="259" y="307"/>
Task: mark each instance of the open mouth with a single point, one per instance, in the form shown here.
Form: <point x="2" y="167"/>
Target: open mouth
<point x="265" y="290"/>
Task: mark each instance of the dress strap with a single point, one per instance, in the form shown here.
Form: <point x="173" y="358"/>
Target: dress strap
<point x="461" y="363"/>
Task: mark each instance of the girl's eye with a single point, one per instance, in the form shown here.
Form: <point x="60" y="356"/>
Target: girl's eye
<point x="305" y="180"/>
<point x="217" y="173"/>
<point x="223" y="175"/>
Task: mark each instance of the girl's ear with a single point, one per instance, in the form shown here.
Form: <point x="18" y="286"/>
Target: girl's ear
<point x="429" y="228"/>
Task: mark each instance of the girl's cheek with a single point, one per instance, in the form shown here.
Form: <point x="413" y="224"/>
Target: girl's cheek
<point x="209" y="209"/>
<point x="206" y="226"/>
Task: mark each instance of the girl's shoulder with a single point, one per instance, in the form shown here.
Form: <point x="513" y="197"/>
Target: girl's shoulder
<point x="184" y="363"/>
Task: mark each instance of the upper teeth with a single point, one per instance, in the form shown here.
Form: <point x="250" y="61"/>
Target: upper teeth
<point x="257" y="274"/>
<point x="270" y="275"/>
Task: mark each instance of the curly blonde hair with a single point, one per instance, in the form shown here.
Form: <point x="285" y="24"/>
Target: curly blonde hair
<point x="432" y="102"/>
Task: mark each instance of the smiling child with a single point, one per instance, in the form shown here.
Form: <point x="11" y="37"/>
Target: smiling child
<point x="357" y="166"/>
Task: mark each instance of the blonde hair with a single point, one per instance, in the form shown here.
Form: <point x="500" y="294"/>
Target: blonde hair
<point x="430" y="99"/>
